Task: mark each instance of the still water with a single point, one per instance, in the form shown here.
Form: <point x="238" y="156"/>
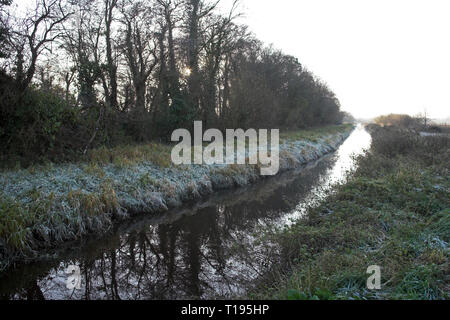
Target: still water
<point x="208" y="249"/>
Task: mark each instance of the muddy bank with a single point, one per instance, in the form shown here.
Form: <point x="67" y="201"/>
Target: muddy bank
<point x="42" y="209"/>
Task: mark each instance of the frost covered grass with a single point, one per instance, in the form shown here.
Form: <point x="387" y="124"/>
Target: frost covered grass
<point x="45" y="205"/>
<point x="394" y="212"/>
<point x="129" y="155"/>
<point x="314" y="134"/>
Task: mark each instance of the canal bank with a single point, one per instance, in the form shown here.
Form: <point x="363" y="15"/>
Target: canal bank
<point x="393" y="212"/>
<point x="45" y="206"/>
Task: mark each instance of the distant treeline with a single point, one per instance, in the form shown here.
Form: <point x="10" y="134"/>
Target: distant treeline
<point x="79" y="74"/>
<point x="419" y="122"/>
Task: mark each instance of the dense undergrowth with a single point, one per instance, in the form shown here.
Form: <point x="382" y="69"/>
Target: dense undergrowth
<point x="45" y="205"/>
<point x="393" y="212"/>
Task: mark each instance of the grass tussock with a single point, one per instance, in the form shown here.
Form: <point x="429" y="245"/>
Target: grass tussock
<point x="48" y="220"/>
<point x="13" y="223"/>
<point x="393" y="212"/>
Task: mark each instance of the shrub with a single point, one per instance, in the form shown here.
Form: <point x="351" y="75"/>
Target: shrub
<point x="392" y="142"/>
<point x="35" y="122"/>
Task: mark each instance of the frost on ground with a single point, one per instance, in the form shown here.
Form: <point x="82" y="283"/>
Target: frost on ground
<point x="42" y="208"/>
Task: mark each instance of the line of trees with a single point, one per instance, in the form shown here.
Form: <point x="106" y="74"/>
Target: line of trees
<point x="75" y="74"/>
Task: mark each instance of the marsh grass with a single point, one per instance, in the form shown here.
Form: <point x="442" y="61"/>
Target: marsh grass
<point x="49" y="219"/>
<point x="13" y="223"/>
<point x="393" y="212"/>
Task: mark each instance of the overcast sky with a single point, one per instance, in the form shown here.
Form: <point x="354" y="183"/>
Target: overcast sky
<point x="378" y="56"/>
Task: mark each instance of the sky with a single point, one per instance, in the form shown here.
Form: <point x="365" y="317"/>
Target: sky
<point x="378" y="56"/>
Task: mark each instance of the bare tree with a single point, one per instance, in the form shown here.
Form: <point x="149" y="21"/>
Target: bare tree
<point x="80" y="42"/>
<point x="171" y="17"/>
<point x="139" y="48"/>
<point x="111" y="66"/>
<point x="39" y="30"/>
<point x="197" y="10"/>
<point x="219" y="38"/>
<point x="4" y="28"/>
<point x="163" y="87"/>
<point x="68" y="80"/>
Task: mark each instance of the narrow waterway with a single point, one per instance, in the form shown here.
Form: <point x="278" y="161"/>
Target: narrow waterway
<point x="209" y="249"/>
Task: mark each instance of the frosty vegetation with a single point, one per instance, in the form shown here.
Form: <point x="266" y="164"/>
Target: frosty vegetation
<point x="45" y="206"/>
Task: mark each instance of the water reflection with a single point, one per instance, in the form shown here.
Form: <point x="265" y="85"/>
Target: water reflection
<point x="343" y="158"/>
<point x="205" y="250"/>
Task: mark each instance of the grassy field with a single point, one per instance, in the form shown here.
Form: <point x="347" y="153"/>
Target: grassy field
<point x="43" y="206"/>
<point x="393" y="212"/>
